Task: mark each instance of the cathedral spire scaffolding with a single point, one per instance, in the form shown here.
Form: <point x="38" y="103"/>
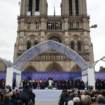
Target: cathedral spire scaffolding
<point x="54" y="9"/>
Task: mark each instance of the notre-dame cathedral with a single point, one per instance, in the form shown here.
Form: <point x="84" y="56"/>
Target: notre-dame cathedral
<point x="71" y="29"/>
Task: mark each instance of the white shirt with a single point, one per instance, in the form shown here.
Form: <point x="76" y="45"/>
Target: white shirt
<point x="70" y="102"/>
<point x="50" y="82"/>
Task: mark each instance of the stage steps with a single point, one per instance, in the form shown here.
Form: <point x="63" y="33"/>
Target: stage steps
<point x="46" y="95"/>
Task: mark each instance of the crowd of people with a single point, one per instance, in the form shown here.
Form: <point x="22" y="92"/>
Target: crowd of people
<point x="75" y="97"/>
<point x="59" y="84"/>
<point x="100" y="84"/>
<point x="25" y="97"/>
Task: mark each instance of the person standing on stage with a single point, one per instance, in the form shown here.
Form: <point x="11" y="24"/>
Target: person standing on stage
<point x="70" y="84"/>
<point x="97" y="84"/>
<point x="63" y="84"/>
<point x="78" y="84"/>
<point x="13" y="83"/>
<point x="28" y="83"/>
<point x="56" y="84"/>
<point x="21" y="84"/>
<point x="59" y="84"/>
<point x="3" y="84"/>
<point x="38" y="84"/>
<point x="74" y="84"/>
<point x="45" y="82"/>
<point x="101" y="84"/>
<point x="82" y="84"/>
<point x="24" y="83"/>
<point x="43" y="85"/>
<point x="40" y="80"/>
<point x="50" y="78"/>
<point x="50" y="82"/>
<point x="67" y="84"/>
<point x="34" y="84"/>
<point x="0" y="83"/>
<point x="104" y="84"/>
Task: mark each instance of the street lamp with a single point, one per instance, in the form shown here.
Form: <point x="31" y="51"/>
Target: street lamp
<point x="94" y="26"/>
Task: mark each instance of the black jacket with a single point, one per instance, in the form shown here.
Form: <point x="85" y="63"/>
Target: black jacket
<point x="24" y="96"/>
<point x="6" y="103"/>
<point x="15" y="102"/>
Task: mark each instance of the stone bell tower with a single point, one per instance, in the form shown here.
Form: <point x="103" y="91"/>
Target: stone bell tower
<point x="74" y="7"/>
<point x="71" y="29"/>
<point x="30" y="7"/>
<point x="76" y="24"/>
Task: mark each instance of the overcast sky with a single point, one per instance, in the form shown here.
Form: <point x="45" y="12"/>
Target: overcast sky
<point x="9" y="10"/>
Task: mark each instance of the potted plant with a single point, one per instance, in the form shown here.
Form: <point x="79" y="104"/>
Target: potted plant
<point x="91" y="87"/>
<point x="7" y="87"/>
<point x="50" y="87"/>
<point x="4" y="90"/>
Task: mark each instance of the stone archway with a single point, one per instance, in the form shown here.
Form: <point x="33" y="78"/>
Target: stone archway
<point x="30" y="68"/>
<point x="54" y="67"/>
<point x="3" y="66"/>
<point x="76" y="68"/>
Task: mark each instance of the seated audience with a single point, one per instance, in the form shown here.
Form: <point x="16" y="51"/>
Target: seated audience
<point x="7" y="100"/>
<point x="13" y="99"/>
<point x="76" y="100"/>
<point x="100" y="100"/>
<point x="95" y="97"/>
<point x="94" y="102"/>
<point x="87" y="100"/>
<point x="81" y="102"/>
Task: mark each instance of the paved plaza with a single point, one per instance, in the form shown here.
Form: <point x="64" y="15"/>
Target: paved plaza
<point x="46" y="102"/>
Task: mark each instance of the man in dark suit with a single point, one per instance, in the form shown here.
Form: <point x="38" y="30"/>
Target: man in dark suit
<point x="50" y="78"/>
<point x="13" y="100"/>
<point x="14" y="83"/>
<point x="67" y="84"/>
<point x="70" y="84"/>
<point x="97" y="84"/>
<point x="74" y="83"/>
<point x="56" y="84"/>
<point x="63" y="84"/>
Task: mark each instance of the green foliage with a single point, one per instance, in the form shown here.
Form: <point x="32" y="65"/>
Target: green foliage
<point x="8" y="87"/>
<point x="91" y="87"/>
<point x="50" y="87"/>
<point x="4" y="90"/>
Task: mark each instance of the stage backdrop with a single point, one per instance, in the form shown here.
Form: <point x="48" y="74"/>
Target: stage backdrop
<point x="55" y="75"/>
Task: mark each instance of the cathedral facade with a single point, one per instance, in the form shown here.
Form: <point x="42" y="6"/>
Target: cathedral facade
<point x="71" y="29"/>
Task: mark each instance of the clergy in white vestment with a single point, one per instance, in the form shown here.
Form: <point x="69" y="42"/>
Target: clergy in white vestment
<point x="50" y="82"/>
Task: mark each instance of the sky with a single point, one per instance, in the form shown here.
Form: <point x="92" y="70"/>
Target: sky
<point x="9" y="10"/>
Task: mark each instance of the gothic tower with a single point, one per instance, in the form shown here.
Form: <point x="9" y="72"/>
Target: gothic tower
<point x="71" y="29"/>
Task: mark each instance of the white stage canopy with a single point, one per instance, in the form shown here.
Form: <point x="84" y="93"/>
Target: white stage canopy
<point x="49" y="45"/>
<point x="7" y="63"/>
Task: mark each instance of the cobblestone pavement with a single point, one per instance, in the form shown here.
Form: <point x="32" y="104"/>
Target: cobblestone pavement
<point x="46" y="102"/>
